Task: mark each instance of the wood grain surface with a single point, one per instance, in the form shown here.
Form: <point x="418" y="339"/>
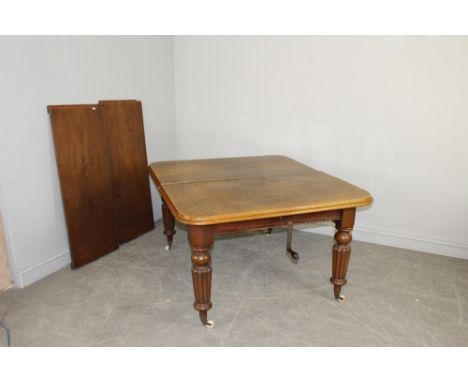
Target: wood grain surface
<point x="212" y="191"/>
<point x="123" y="123"/>
<point x="83" y="161"/>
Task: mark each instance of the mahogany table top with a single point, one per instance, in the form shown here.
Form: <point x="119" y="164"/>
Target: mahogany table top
<point x="212" y="191"/>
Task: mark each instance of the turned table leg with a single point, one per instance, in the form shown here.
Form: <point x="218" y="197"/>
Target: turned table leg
<point x="201" y="239"/>
<point x="342" y="251"/>
<point x="169" y="224"/>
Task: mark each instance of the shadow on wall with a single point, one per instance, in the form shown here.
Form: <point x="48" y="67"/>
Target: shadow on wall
<point x="5" y="280"/>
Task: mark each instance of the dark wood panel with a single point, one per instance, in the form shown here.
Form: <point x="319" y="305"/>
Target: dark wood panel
<point x="123" y="122"/>
<point x="84" y="167"/>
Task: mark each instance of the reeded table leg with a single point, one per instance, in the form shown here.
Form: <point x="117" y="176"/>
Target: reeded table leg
<point x="342" y="251"/>
<point x="201" y="239"/>
<point x="169" y="224"/>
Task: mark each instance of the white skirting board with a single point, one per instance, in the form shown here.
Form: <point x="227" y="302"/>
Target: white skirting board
<point x="157" y="214"/>
<point x="393" y="239"/>
<point x="400" y="240"/>
<point x="31" y="275"/>
<point x="35" y="273"/>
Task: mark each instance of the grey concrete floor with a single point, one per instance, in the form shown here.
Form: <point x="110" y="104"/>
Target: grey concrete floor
<point x="141" y="295"/>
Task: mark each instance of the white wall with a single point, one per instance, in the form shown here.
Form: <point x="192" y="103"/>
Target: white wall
<point x="389" y="114"/>
<point x="37" y="71"/>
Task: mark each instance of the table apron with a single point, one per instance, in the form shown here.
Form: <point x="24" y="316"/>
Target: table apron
<point x="280" y="221"/>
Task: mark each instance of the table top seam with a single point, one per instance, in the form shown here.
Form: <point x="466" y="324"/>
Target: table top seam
<point x="236" y="178"/>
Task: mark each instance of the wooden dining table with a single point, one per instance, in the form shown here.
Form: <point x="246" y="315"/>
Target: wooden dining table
<point x="224" y="195"/>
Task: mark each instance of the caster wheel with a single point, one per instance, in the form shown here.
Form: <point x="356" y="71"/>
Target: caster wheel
<point x="209" y="324"/>
<point x="167" y="248"/>
<point x="340" y="298"/>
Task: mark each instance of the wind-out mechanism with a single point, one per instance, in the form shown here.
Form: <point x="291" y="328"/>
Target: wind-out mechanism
<point x="291" y="253"/>
<point x="294" y="256"/>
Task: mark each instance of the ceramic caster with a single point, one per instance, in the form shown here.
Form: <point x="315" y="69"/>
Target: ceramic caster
<point x="267" y="232"/>
<point x="167" y="247"/>
<point x="209" y="324"/>
<point x="340" y="298"/>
